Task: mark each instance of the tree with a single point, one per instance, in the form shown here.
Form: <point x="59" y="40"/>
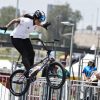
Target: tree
<point x="57" y="14"/>
<point x="7" y="14"/>
<point x="76" y="17"/>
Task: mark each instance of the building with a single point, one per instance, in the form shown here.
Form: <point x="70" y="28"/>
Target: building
<point x="86" y="39"/>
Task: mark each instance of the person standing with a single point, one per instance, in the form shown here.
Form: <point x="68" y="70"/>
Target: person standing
<point x="89" y="70"/>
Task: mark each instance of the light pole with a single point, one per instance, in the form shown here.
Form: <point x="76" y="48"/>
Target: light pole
<point x="17" y="6"/>
<point x="71" y="51"/>
<point x="72" y="40"/>
<point x="16" y="15"/>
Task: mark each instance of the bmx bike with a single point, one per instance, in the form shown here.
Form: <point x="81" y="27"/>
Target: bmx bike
<point x="21" y="79"/>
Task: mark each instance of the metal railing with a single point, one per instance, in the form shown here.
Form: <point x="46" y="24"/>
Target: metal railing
<point x="39" y="90"/>
<point x="82" y="90"/>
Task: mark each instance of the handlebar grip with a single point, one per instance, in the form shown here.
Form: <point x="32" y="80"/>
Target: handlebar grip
<point x="46" y="25"/>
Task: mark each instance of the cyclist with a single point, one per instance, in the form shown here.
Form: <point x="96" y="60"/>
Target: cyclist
<point x="20" y="35"/>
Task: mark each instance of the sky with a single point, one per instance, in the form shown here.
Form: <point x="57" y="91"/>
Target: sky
<point x="89" y="8"/>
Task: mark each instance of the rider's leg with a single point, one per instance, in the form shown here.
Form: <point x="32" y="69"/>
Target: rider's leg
<point x="20" y="45"/>
<point x="30" y="51"/>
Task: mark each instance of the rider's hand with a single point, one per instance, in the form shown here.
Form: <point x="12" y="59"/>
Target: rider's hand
<point x="46" y="25"/>
<point x="3" y="28"/>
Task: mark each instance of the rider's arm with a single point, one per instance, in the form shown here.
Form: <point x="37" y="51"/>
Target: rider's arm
<point x="84" y="77"/>
<point x="13" y="22"/>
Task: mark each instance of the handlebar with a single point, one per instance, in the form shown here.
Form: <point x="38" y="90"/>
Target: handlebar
<point x="55" y="40"/>
<point x="40" y="41"/>
<point x="43" y="43"/>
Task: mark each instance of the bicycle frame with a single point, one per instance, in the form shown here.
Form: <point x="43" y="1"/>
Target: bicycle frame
<point x="44" y="61"/>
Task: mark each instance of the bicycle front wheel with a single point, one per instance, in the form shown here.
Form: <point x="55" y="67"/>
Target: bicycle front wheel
<point x="54" y="79"/>
<point x="19" y="83"/>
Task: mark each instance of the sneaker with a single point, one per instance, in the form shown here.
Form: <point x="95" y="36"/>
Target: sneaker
<point x="28" y="68"/>
<point x="26" y="73"/>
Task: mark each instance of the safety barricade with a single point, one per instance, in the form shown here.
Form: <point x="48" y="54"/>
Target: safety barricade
<point x="4" y="87"/>
<point x="39" y="90"/>
<point x="72" y="90"/>
<point x="82" y="90"/>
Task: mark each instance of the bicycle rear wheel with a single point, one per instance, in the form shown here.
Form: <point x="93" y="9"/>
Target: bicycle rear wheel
<point x="54" y="79"/>
<point x="19" y="83"/>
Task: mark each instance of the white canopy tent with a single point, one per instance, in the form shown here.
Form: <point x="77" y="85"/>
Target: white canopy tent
<point x="5" y="64"/>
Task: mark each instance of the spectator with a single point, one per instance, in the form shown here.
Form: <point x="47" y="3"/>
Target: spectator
<point x="89" y="70"/>
<point x="88" y="75"/>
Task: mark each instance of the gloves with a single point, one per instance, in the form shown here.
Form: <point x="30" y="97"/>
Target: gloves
<point x="3" y="28"/>
<point x="46" y="25"/>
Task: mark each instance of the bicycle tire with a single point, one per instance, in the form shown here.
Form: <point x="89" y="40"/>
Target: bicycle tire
<point x="53" y="79"/>
<point x="17" y="77"/>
